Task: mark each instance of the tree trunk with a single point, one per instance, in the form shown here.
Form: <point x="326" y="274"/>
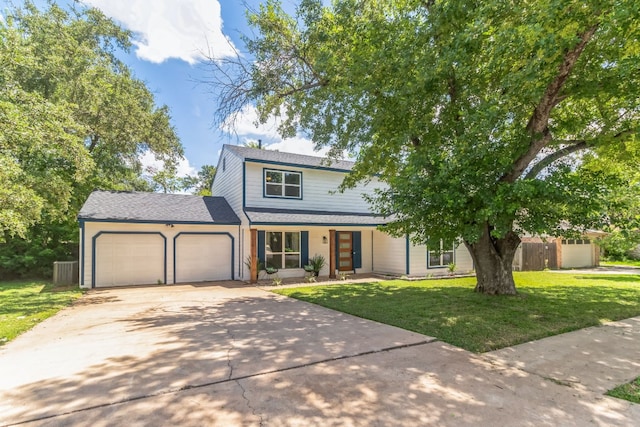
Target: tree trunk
<point x="493" y="260"/>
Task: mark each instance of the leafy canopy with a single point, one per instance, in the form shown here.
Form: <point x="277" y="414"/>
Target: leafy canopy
<point x="478" y="115"/>
<point x="73" y="118"/>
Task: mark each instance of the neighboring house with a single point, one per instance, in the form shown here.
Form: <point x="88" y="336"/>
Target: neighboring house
<point x="280" y="208"/>
<point x="535" y="253"/>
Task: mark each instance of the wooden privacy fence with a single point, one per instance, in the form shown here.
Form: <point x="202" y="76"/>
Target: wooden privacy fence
<point x="538" y="256"/>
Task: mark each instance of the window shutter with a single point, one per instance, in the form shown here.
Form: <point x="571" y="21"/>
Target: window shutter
<point x="261" y="239"/>
<point x="304" y="248"/>
<point x="357" y="249"/>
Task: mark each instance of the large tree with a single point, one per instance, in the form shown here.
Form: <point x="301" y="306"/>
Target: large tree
<point x="486" y="119"/>
<point x="73" y="118"/>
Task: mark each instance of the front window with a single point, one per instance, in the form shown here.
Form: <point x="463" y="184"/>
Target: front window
<point x="282" y="184"/>
<point x="282" y="249"/>
<point x="440" y="258"/>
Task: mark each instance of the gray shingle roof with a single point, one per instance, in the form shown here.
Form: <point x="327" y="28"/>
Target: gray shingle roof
<point x="157" y="207"/>
<point x="288" y="158"/>
<point x="303" y="217"/>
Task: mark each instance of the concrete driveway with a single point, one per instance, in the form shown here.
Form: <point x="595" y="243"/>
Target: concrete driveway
<point x="226" y="354"/>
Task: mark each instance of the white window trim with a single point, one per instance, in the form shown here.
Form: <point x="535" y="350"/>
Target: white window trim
<point x="283" y="253"/>
<point x="283" y="184"/>
<point x="441" y="256"/>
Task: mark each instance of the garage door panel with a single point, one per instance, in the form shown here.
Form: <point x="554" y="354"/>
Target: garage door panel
<point x="129" y="259"/>
<point x="576" y="256"/>
<point x="202" y="257"/>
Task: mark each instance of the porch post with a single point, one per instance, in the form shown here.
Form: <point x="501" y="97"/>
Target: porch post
<point x="254" y="255"/>
<point x="332" y="254"/>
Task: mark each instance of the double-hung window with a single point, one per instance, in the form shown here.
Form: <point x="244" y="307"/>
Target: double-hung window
<point x="282" y="249"/>
<point x="440" y="258"/>
<point x="286" y="184"/>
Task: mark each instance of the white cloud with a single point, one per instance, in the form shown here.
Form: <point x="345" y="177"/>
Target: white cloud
<point x="245" y="123"/>
<point x="148" y="160"/>
<point x="297" y="145"/>
<point x="164" y="29"/>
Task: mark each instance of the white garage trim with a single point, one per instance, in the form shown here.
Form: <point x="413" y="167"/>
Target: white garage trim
<point x="211" y="233"/>
<point x="93" y="250"/>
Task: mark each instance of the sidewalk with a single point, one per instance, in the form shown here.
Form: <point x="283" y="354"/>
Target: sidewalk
<point x="591" y="360"/>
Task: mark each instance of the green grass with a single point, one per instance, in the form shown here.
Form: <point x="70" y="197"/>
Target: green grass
<point x="630" y="391"/>
<point x="24" y="304"/>
<point x="548" y="304"/>
<point x="627" y="262"/>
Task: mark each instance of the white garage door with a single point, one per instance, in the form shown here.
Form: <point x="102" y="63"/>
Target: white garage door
<point x="576" y="254"/>
<point x="203" y="257"/>
<point x="129" y="259"/>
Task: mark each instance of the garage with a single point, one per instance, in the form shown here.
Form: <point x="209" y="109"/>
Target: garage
<point x="138" y="238"/>
<point x="202" y="256"/>
<point x="577" y="253"/>
<point x="133" y="258"/>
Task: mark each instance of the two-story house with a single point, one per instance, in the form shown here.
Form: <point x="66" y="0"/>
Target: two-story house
<point x="278" y="208"/>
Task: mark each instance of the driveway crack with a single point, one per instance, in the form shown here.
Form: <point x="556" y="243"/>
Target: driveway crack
<point x="236" y="380"/>
<point x="229" y="350"/>
<point x="248" y="402"/>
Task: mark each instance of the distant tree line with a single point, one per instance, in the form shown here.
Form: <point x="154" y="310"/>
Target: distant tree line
<point x="73" y="118"/>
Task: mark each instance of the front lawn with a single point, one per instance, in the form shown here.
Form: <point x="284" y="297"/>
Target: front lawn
<point x="626" y="263"/>
<point x="547" y="304"/>
<point x="24" y="304"/>
<point x="630" y="391"/>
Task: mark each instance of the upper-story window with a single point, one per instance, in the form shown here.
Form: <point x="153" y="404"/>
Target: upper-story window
<point x="279" y="183"/>
<point x="440" y="258"/>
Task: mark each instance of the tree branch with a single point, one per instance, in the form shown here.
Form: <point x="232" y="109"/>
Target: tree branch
<point x="548" y="160"/>
<point x="539" y="121"/>
<point x="302" y="88"/>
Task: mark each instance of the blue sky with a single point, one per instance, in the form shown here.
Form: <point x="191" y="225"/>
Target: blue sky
<point x="169" y="38"/>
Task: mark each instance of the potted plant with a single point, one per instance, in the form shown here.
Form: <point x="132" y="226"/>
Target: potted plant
<point x="316" y="263"/>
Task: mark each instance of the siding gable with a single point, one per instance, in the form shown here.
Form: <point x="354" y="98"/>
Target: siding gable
<point x="319" y="190"/>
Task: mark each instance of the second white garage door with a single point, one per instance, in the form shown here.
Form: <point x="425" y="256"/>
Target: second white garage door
<point x="203" y="257"/>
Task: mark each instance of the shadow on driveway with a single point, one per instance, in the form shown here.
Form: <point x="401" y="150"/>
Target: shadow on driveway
<point x="240" y="356"/>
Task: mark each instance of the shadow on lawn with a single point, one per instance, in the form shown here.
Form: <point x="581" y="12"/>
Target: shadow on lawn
<point x="476" y="322"/>
<point x="187" y="345"/>
<point x="26" y="299"/>
<point x="612" y="278"/>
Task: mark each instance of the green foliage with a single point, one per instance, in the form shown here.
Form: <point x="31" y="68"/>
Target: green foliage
<point x="316" y="263"/>
<point x="629" y="391"/>
<point x="548" y="304"/>
<point x="483" y="119"/>
<point x="72" y="119"/>
<point x="24" y="304"/>
<point x="33" y="257"/>
<point x="205" y="180"/>
<point x="619" y="244"/>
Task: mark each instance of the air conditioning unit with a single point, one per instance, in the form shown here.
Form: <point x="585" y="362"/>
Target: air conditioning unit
<point x="65" y="272"/>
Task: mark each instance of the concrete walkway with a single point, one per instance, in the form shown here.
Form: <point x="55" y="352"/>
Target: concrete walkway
<point x="232" y="355"/>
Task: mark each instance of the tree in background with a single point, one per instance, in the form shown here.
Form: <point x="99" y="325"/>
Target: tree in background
<point x="72" y="119"/>
<point x="485" y="119"/>
<point x="205" y="180"/>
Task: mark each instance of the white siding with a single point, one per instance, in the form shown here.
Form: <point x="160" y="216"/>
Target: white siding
<point x="317" y="188"/>
<point x="389" y="254"/>
<point x="228" y="182"/>
<point x="389" y="257"/>
<point x="463" y="260"/>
